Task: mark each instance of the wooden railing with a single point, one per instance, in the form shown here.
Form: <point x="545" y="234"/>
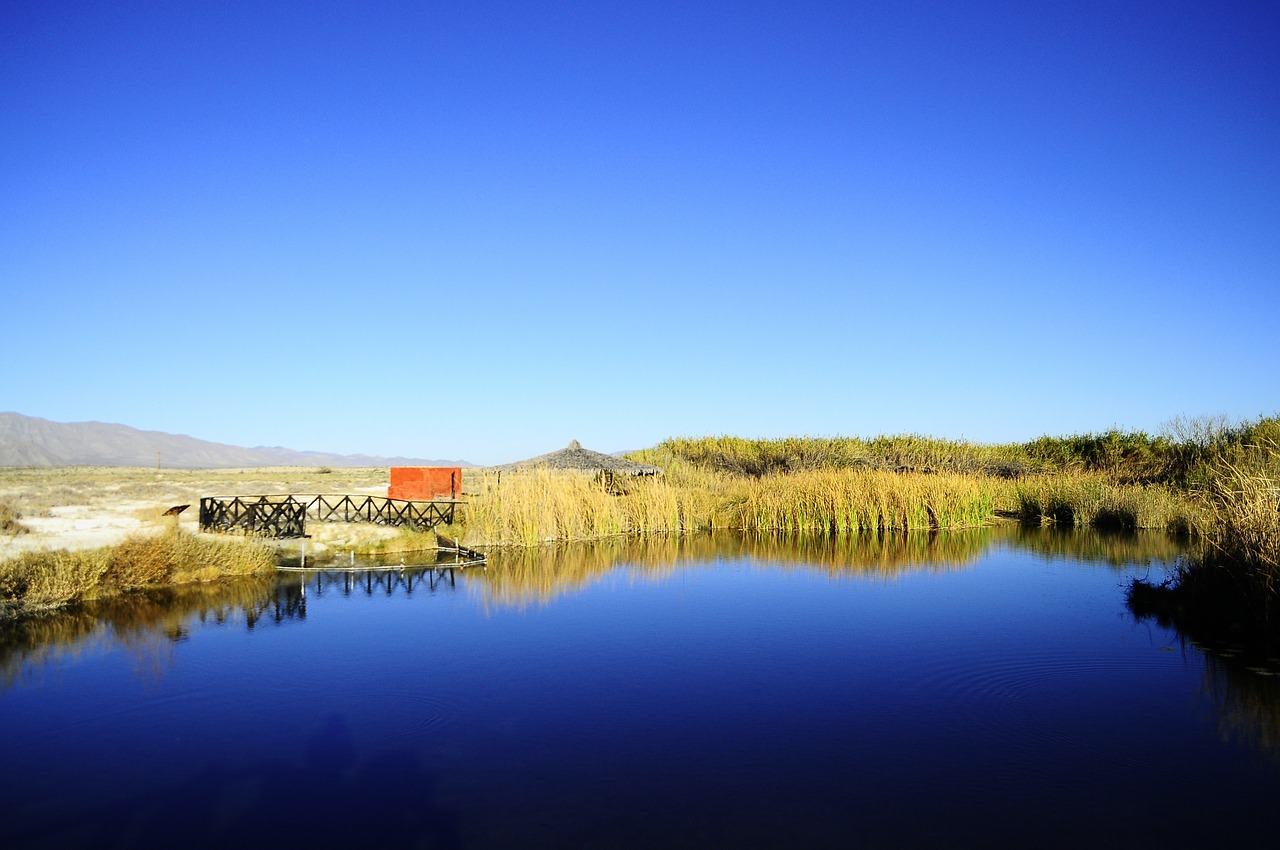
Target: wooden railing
<point x="287" y="515"/>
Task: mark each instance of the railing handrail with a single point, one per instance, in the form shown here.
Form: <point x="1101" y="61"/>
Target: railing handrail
<point x="286" y="513"/>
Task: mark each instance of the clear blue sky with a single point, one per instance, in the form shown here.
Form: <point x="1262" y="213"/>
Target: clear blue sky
<point x="478" y="230"/>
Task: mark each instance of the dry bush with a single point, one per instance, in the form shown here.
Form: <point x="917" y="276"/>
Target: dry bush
<point x="10" y="520"/>
<point x="40" y="580"/>
<point x="141" y="561"/>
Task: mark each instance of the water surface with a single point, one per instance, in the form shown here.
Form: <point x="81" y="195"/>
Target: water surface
<point x="982" y="689"/>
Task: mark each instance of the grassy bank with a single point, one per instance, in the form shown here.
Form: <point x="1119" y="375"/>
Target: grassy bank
<point x="1231" y="585"/>
<point x="811" y="486"/>
<point x="39" y="581"/>
<point x="1097" y="500"/>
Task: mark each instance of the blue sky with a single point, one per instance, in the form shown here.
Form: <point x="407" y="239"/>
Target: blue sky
<point x="479" y="230"/>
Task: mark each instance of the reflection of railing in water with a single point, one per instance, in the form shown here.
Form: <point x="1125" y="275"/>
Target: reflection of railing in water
<point x="286" y="515"/>
<point x="386" y="581"/>
<point x="295" y="584"/>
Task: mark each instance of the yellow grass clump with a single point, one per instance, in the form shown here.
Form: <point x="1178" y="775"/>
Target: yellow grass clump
<point x="35" y="581"/>
<point x="849" y="502"/>
<point x="539" y="506"/>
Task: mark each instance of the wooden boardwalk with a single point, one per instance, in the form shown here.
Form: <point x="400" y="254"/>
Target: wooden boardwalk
<point x="287" y="515"/>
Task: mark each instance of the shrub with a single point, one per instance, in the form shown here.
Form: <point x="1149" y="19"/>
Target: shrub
<point x="40" y="580"/>
<point x="10" y="520"/>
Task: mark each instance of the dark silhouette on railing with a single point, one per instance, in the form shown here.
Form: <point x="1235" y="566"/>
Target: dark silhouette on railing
<point x="287" y="515"/>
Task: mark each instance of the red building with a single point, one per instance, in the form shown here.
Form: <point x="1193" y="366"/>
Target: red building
<point x="421" y="483"/>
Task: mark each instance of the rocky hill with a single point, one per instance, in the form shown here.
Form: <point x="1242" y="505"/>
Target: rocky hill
<point x="30" y="441"/>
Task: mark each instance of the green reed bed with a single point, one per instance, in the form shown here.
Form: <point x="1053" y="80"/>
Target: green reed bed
<point x="1178" y="456"/>
<point x="1095" y="500"/>
<point x="908" y="452"/>
<point x="43" y="580"/>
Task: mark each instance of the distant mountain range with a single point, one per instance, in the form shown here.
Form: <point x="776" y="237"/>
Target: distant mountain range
<point x="30" y="441"/>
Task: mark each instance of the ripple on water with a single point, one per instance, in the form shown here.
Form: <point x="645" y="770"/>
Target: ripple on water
<point x="1026" y="705"/>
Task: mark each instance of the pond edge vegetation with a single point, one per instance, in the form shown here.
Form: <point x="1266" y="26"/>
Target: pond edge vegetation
<point x="1188" y="482"/>
<point x="41" y="581"/>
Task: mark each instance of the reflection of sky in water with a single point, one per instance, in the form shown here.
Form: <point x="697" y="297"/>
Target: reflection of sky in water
<point x="706" y="694"/>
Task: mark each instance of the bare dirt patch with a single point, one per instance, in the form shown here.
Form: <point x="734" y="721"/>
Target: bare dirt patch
<point x="86" y="507"/>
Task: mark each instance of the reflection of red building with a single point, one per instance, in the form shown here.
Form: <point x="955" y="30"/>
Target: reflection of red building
<point x="425" y="482"/>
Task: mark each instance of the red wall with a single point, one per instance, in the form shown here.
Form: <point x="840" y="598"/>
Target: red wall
<point x="425" y="482"/>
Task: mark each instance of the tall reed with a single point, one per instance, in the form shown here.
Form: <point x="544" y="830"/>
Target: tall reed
<point x="850" y="502"/>
<point x="538" y="506"/>
<point x="542" y="506"/>
<point x="1232" y="587"/>
<point x="1095" y="500"/>
<point x="1245" y="536"/>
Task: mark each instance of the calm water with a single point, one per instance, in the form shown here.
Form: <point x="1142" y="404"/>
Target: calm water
<point x="987" y="689"/>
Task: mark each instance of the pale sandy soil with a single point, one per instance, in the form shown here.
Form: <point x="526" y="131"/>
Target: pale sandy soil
<point x="87" y="507"/>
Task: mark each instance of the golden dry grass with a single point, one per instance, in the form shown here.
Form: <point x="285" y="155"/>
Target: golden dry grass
<point x="35" y="581"/>
<point x="540" y="506"/>
<point x="544" y="506"/>
<point x="849" y="502"/>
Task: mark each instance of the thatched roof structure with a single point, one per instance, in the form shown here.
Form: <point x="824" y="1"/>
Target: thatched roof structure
<point x="575" y="458"/>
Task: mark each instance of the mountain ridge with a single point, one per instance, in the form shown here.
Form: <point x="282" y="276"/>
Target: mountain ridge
<point x="32" y="441"/>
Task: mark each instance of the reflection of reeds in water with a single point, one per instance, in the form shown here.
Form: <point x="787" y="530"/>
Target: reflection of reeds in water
<point x="520" y="577"/>
<point x="517" y="578"/>
<point x="1246" y="701"/>
<point x="882" y="554"/>
<point x="145" y="623"/>
<point x="1118" y="549"/>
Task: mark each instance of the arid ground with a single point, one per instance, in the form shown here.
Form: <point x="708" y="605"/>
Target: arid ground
<point x="86" y="507"/>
